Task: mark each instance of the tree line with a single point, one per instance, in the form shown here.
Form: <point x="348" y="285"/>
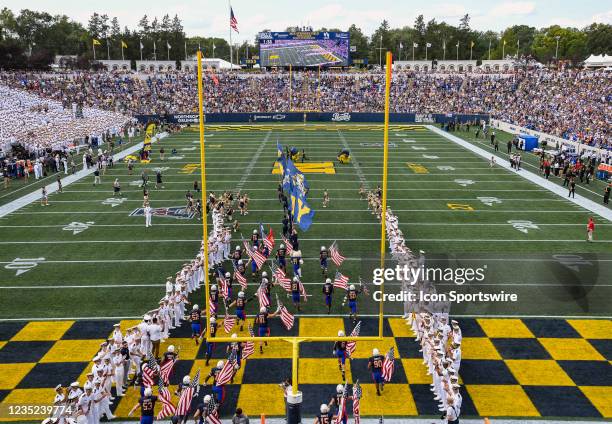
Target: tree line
<point x="31" y="39"/>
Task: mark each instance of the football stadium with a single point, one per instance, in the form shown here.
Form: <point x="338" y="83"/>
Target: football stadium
<point x="312" y="228"/>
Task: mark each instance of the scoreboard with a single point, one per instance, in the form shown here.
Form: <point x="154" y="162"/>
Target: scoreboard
<point x="304" y="48"/>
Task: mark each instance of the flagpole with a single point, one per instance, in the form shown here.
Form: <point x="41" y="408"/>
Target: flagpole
<point x="140" y="40"/>
<point x="444" y="49"/>
<point x="489" y="49"/>
<point x="93" y="44"/>
<point x="168" y="49"/>
<point x="185" y="49"/>
<point x="122" y="58"/>
<point x="413" y="51"/>
<point x="203" y="183"/>
<point x="426" y="47"/>
<point x="383" y="230"/>
<point x="230" y="34"/>
<point x="107" y="49"/>
<point x="471" y="47"/>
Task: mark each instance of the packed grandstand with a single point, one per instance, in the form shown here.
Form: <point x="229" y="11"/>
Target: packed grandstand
<point x="38" y="109"/>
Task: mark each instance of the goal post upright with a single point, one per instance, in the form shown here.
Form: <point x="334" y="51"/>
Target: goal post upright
<point x="203" y="182"/>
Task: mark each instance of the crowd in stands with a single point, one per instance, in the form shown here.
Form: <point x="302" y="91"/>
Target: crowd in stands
<point x="41" y="123"/>
<point x="575" y="105"/>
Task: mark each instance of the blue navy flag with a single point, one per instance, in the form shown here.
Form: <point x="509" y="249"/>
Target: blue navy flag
<point x="302" y="214"/>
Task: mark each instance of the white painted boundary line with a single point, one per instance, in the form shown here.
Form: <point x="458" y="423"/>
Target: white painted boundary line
<point x="255" y="158"/>
<point x="536" y="179"/>
<point x="36" y="195"/>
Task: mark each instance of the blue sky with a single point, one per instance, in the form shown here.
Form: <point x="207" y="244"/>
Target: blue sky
<point x="211" y="18"/>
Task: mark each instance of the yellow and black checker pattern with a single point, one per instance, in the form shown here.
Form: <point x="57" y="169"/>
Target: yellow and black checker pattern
<point x="510" y="367"/>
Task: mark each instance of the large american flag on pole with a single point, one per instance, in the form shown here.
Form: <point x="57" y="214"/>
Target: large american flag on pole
<point x="233" y="21"/>
<point x="357" y="393"/>
<point x="352" y="345"/>
<point x="226" y="373"/>
<point x="341" y="281"/>
<point x="249" y="347"/>
<point x="388" y="366"/>
<point x="187" y="395"/>
<point x="168" y="408"/>
<point x="335" y="254"/>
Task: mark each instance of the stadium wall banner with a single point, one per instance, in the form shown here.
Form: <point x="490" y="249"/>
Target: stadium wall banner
<point x="551" y="140"/>
<point x="267" y="117"/>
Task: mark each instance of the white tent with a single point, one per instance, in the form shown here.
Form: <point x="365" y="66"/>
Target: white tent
<point x="601" y="61"/>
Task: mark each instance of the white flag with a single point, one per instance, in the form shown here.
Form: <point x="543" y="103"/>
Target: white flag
<point x="141" y="46"/>
<point x="428" y="45"/>
<point x="401" y="46"/>
<point x="415" y="45"/>
<point x="168" y="45"/>
<point x="154" y="47"/>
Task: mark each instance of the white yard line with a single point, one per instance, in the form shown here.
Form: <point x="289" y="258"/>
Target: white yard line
<point x="255" y="158"/>
<point x="580" y="200"/>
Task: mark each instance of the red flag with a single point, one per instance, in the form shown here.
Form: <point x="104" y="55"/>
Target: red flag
<point x="335" y="255"/>
<point x="286" y="318"/>
<point x="269" y="240"/>
<point x="341" y="281"/>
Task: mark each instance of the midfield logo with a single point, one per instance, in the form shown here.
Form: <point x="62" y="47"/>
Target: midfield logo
<point x="176" y="212"/>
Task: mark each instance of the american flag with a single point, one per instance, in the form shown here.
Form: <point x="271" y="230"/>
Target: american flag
<point x="241" y="280"/>
<point x="281" y="277"/>
<point x="388" y="365"/>
<point x="351" y="346"/>
<point x="249" y="347"/>
<point x="269" y="240"/>
<point x="233" y="21"/>
<point x="187" y="395"/>
<point x="342" y="406"/>
<point x="150" y="370"/>
<point x="364" y="287"/>
<point x="247" y="249"/>
<point x="168" y="408"/>
<point x="212" y="307"/>
<point x="228" y="323"/>
<point x="259" y="258"/>
<point x="224" y="284"/>
<point x="341" y="281"/>
<point x="166" y="369"/>
<point x="226" y="373"/>
<point x="335" y="254"/>
<point x="239" y="277"/>
<point x="264" y="302"/>
<point x="303" y="292"/>
<point x="288" y="246"/>
<point x="213" y="76"/>
<point x="357" y="393"/>
<point x="212" y="413"/>
<point x="286" y="318"/>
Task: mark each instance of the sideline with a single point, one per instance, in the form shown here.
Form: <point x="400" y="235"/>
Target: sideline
<point x="536" y="179"/>
<point x="52" y="187"/>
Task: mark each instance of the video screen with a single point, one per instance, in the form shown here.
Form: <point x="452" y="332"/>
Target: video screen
<point x="304" y="49"/>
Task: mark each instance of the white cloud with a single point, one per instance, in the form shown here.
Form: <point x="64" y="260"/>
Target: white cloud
<point x="603" y="17"/>
<point x="513" y="8"/>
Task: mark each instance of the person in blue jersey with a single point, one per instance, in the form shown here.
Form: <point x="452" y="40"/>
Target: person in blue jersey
<point x="375" y="365"/>
<point x="147" y="407"/>
<point x="296" y="292"/>
<point x="195" y="317"/>
<point x="261" y="322"/>
<point x="340" y="353"/>
<point x="209" y="343"/>
<point x="323" y="256"/>
<point x="240" y="304"/>
<point x="218" y="390"/>
<point x="281" y="257"/>
<point x="328" y="291"/>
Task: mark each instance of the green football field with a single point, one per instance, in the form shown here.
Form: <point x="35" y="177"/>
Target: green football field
<point x="112" y="266"/>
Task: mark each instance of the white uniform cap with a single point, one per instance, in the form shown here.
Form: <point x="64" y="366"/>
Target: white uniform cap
<point x="220" y="364"/>
<point x="340" y="333"/>
<point x="186" y="379"/>
<point x="148" y="391"/>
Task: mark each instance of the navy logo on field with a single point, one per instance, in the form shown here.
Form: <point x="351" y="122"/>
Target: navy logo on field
<point x="176" y="212"/>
